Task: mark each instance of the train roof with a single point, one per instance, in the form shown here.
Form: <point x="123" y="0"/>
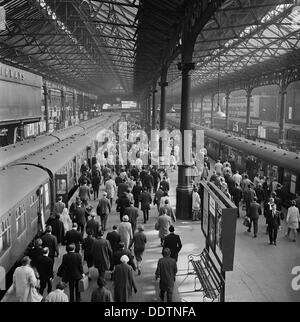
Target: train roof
<point x="11" y="153"/>
<point x="16" y="182"/>
<point x="275" y="156"/>
<point x="54" y="157"/>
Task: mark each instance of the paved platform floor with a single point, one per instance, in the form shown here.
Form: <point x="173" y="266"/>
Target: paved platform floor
<point x="262" y="272"/>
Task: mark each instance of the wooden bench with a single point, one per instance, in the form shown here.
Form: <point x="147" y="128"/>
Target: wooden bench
<point x="209" y="277"/>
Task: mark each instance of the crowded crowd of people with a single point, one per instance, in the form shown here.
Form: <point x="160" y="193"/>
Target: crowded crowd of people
<point x="81" y="229"/>
<point x="132" y="191"/>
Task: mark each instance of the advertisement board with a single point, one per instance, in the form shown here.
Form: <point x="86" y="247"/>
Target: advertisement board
<point x="218" y="224"/>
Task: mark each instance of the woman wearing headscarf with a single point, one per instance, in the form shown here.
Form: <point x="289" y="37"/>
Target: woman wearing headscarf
<point x="123" y="281"/>
<point x="139" y="241"/>
<point x="125" y="231"/>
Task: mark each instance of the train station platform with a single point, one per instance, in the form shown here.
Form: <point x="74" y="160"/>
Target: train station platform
<point x="262" y="272"/>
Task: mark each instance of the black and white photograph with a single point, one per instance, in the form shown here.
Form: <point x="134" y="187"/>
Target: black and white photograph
<point x="149" y="154"/>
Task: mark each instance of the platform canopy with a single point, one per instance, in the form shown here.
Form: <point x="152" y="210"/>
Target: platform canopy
<point x="119" y="47"/>
<point x="245" y="41"/>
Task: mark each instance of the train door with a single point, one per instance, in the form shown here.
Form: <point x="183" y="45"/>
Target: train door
<point x="41" y="209"/>
<point x="75" y="170"/>
<point x="89" y="156"/>
<point x="61" y="187"/>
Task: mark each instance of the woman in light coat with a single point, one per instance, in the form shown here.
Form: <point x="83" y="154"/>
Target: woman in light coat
<point x="125" y="231"/>
<point x="25" y="283"/>
<point x="292" y="220"/>
<point x="66" y="220"/>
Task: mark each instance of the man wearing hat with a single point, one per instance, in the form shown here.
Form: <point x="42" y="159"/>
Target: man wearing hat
<point x="125" y="231"/>
<point x="123" y="281"/>
<point x="92" y="225"/>
<point x="103" y="210"/>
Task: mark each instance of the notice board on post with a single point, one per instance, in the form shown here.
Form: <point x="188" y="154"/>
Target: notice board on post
<point x="218" y="224"/>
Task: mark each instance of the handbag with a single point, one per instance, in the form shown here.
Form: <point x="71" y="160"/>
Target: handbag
<point x="156" y="226"/>
<point x="246" y="222"/>
<point x="83" y="284"/>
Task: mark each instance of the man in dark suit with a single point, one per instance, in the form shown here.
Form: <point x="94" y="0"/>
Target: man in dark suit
<point x="166" y="270"/>
<point x="92" y="225"/>
<point x="173" y="242"/>
<point x="122" y="204"/>
<point x="273" y="222"/>
<point x="50" y="241"/>
<point x="73" y="236"/>
<point x="79" y="216"/>
<point x="84" y="193"/>
<point x="145" y="204"/>
<point x="120" y="252"/>
<point x="165" y="184"/>
<point x="102" y="254"/>
<point x="148" y="182"/>
<point x="114" y="238"/>
<point x="156" y="178"/>
<point x="44" y="266"/>
<point x="57" y="225"/>
<point x="59" y="206"/>
<point x="136" y="191"/>
<point x="72" y="271"/>
<point x="254" y="212"/>
<point x="237" y="195"/>
<point x="132" y="214"/>
<point x="123" y="187"/>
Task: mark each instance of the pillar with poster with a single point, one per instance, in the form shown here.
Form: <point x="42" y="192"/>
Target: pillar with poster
<point x="218" y="224"/>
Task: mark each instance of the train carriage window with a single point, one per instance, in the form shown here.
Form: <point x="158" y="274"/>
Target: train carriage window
<point x="5" y="235"/>
<point x="61" y="186"/>
<point x="46" y="189"/>
<point x="33" y="207"/>
<point x="21" y="219"/>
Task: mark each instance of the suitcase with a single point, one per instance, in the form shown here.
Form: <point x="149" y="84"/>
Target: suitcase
<point x="83" y="284"/>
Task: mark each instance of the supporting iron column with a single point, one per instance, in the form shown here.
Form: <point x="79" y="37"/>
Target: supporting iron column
<point x="154" y="107"/>
<point x="163" y="84"/>
<point x="184" y="187"/>
<point x="248" y="119"/>
<point x="62" y="111"/>
<point x="46" y="106"/>
<point x="212" y="112"/>
<point x="201" y="110"/>
<point x="74" y="106"/>
<point x="149" y="114"/>
<point x="283" y="95"/>
<point x="227" y="98"/>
